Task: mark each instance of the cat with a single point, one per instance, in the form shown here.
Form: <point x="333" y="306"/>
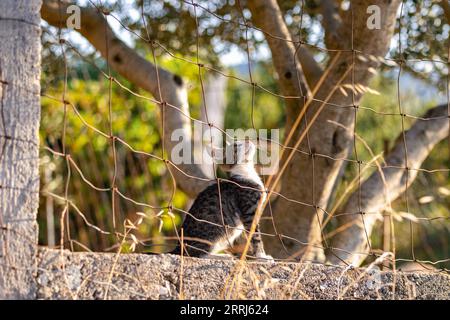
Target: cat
<point x="212" y="225"/>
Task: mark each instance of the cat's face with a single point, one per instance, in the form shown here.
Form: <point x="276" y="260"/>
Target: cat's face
<point x="237" y="153"/>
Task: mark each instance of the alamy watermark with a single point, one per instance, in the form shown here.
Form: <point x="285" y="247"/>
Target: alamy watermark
<point x="211" y="148"/>
<point x="74" y="20"/>
<point x="374" y="20"/>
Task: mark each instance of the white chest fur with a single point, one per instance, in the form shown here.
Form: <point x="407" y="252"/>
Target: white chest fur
<point x="248" y="172"/>
<point x="231" y="235"/>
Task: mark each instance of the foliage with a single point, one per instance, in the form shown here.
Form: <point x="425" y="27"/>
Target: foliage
<point x="140" y="178"/>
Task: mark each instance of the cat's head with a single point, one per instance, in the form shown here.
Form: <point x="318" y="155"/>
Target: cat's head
<point x="237" y="153"/>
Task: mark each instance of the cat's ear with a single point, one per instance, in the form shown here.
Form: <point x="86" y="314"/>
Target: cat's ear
<point x="249" y="148"/>
<point x="217" y="154"/>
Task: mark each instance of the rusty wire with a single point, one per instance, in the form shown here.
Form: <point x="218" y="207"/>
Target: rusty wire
<point x="124" y="235"/>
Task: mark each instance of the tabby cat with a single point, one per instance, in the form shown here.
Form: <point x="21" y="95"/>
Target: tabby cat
<point x="221" y="212"/>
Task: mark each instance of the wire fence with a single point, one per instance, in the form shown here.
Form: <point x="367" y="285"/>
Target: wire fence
<point x="124" y="214"/>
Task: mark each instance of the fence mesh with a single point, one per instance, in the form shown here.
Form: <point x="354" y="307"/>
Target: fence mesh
<point x="105" y="190"/>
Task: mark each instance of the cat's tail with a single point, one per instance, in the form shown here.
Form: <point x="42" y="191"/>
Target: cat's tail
<point x="177" y="250"/>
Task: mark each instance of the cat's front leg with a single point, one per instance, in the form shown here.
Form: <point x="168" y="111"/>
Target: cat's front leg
<point x="260" y="254"/>
<point x="264" y="257"/>
<point x="218" y="256"/>
<point x="257" y="246"/>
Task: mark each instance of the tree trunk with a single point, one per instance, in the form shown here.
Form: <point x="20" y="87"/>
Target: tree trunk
<point x="19" y="146"/>
<point x="311" y="175"/>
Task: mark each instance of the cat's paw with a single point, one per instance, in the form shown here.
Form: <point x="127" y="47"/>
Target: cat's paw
<point x="218" y="256"/>
<point x="264" y="258"/>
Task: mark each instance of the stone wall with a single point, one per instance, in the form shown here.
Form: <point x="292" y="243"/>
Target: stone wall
<point x="65" y="275"/>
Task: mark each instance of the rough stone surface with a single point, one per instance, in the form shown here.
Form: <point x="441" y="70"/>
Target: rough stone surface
<point x="65" y="275"/>
<point x="19" y="154"/>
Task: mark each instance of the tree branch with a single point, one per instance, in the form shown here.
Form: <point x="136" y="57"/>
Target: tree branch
<point x="331" y="22"/>
<point x="377" y="193"/>
<point x="212" y="111"/>
<point x="312" y="70"/>
<point x="446" y="7"/>
<point x="266" y="15"/>
<point x="163" y="85"/>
